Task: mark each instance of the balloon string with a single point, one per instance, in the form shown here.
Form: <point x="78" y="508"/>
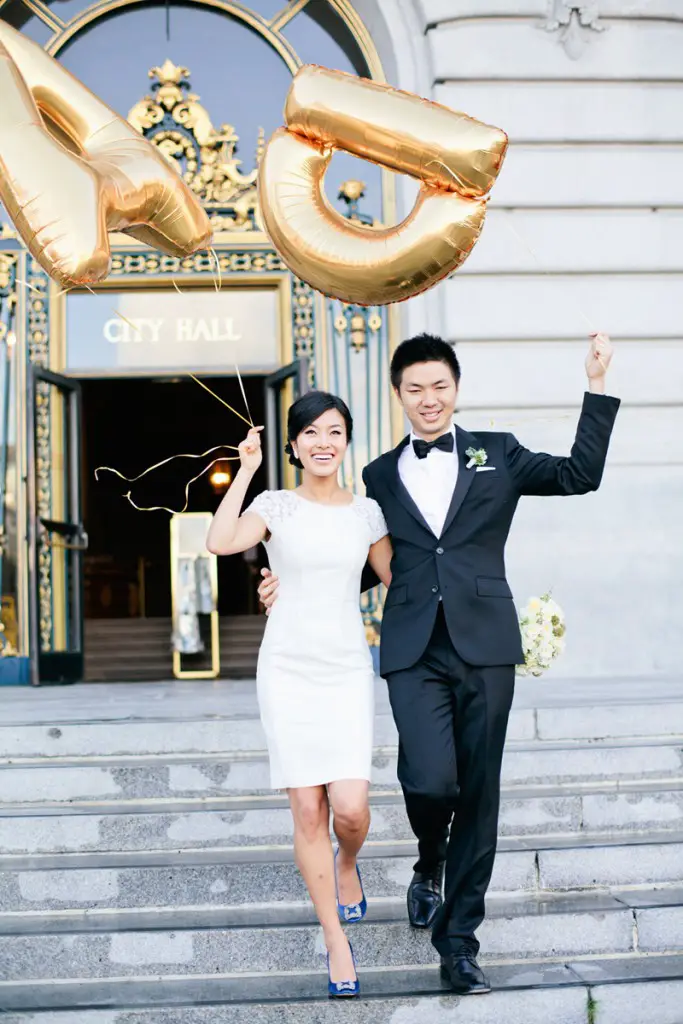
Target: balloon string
<point x="244" y="395"/>
<point x="544" y="270"/>
<point x="217" y="397"/>
<point x="31" y="287"/>
<point x="127" y="321"/>
<point x="157" y="465"/>
<point x="183" y="455"/>
<point x="530" y="419"/>
<point x="217" y="284"/>
<point x="179" y="512"/>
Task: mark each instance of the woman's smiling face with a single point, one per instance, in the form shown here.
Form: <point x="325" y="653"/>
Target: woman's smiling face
<point x="321" y="446"/>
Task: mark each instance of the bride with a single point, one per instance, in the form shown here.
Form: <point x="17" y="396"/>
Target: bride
<point x="315" y="678"/>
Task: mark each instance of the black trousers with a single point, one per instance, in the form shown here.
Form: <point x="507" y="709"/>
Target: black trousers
<point x="452" y="719"/>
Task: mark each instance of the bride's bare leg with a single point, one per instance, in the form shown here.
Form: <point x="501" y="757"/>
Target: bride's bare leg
<point x="315" y="860"/>
<point x="351" y="810"/>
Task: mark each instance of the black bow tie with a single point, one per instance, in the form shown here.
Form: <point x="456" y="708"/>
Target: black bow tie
<point x="423" y="448"/>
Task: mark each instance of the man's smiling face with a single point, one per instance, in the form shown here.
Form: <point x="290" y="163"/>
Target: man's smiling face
<point x="428" y="393"/>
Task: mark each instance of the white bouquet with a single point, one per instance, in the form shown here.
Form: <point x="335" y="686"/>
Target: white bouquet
<point x="543" y="628"/>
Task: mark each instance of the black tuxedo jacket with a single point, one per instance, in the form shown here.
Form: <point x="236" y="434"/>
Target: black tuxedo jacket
<point x="465" y="566"/>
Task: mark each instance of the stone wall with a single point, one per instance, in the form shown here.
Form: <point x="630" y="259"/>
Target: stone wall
<point x="585" y="229"/>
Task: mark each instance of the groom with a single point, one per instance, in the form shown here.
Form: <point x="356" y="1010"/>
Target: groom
<point x="450" y="634"/>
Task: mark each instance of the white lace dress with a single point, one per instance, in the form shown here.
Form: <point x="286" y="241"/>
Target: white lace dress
<point x="315" y="676"/>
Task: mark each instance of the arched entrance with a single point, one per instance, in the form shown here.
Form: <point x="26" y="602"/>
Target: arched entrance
<point x="131" y="343"/>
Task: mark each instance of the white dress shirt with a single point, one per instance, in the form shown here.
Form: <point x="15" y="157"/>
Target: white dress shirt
<point x="430" y="482"/>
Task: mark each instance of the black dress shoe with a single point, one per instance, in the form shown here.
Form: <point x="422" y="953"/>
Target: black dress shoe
<point x="464" y="974"/>
<point x="424" y="897"/>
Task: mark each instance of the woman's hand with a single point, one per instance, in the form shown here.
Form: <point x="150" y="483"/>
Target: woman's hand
<point x="231" y="532"/>
<point x="379" y="557"/>
<point x="250" y="452"/>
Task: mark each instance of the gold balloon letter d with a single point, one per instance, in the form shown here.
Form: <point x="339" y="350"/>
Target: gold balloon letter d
<point x="455" y="158"/>
<point x="71" y="171"/>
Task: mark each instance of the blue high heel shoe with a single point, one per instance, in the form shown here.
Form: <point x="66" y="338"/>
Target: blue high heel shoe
<point x="350" y="913"/>
<point x="343" y="989"/>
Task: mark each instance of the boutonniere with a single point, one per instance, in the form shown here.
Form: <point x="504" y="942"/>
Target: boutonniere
<point x="477" y="457"/>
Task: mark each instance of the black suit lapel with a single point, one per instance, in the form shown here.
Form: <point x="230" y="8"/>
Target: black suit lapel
<point x="401" y="491"/>
<point x="463" y="441"/>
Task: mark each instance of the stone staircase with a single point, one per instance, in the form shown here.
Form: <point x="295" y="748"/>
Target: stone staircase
<point x="146" y="871"/>
<point x="134" y="650"/>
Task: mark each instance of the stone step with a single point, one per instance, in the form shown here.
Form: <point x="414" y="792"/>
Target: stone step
<point x="105" y="672"/>
<point x="263" y="874"/>
<point x="126" y="627"/>
<point x="189" y="699"/>
<point x="155" y="665"/>
<point x="600" y="930"/>
<point x="381" y="909"/>
<point x="159" y="735"/>
<point x="143" y="662"/>
<point x="609" y="765"/>
<point x="140" y="649"/>
<point x="237" y="733"/>
<point x="231" y="822"/>
<point x="288" y="938"/>
<point x="149" y="673"/>
<point x="623" y="1002"/>
<point x="140" y="645"/>
<point x="623" y="989"/>
<point x="159" y="647"/>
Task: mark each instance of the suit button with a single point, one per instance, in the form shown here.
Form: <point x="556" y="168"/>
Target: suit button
<point x="439" y="551"/>
<point x="435" y="590"/>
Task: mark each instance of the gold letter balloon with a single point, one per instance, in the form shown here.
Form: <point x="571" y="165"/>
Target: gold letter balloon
<point x="455" y="158"/>
<point x="71" y="171"/>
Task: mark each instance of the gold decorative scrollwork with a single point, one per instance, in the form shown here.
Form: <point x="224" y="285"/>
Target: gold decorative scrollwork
<point x="175" y="121"/>
<point x="8" y="301"/>
<point x="38" y="336"/>
<point x="7" y="263"/>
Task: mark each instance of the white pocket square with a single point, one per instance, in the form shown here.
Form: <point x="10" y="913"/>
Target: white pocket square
<point x="484" y="469"/>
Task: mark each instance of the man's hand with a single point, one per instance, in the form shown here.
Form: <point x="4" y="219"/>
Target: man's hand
<point x="597" y="361"/>
<point x="267" y="590"/>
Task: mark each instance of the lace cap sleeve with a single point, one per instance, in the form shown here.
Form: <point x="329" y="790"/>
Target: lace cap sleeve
<point x="273" y="506"/>
<point x="375" y="519"/>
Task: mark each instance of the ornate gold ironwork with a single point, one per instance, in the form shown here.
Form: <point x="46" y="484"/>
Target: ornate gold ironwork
<point x="8" y="301"/>
<point x="176" y="122"/>
<point x="38" y="338"/>
<point x="8" y="628"/>
<point x="351" y="192"/>
<point x="208" y="156"/>
<point x="8" y="261"/>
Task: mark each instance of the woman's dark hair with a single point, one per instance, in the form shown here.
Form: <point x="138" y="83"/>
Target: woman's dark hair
<point x="307" y="410"/>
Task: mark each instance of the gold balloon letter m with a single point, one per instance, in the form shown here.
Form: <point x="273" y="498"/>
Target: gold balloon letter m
<point x="455" y="158"/>
<point x="71" y="171"/>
